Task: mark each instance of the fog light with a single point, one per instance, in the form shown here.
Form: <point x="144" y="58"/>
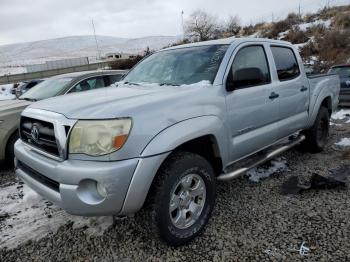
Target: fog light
<point x="101" y="189"/>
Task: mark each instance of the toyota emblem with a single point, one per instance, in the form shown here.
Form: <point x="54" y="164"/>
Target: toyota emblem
<point x="35" y="133"/>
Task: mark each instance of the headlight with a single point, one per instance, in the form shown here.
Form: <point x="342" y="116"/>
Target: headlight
<point x="99" y="137"/>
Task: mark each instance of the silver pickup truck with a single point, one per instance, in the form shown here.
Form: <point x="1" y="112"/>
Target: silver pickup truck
<point x="182" y="119"/>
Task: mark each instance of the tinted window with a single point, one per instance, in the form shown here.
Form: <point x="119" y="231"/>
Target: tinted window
<point x="89" y="84"/>
<point x="286" y="63"/>
<point x="114" y="78"/>
<point x="342" y="71"/>
<point x="250" y="67"/>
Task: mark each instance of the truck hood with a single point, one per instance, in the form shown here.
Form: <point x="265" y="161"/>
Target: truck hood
<point x="112" y="102"/>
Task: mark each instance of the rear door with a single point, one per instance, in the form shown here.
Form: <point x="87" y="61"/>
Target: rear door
<point x="252" y="115"/>
<point x="292" y="89"/>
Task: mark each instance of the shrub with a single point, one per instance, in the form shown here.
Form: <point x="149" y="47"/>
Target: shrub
<point x="316" y="30"/>
<point x="248" y="30"/>
<point x="331" y="48"/>
<point x="342" y="20"/>
<point x="124" y="64"/>
<point x="296" y="36"/>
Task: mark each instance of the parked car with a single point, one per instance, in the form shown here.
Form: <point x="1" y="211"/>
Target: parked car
<point x="344" y="73"/>
<point x="183" y="118"/>
<point x="10" y="110"/>
<point x="6" y="92"/>
<point x="25" y="86"/>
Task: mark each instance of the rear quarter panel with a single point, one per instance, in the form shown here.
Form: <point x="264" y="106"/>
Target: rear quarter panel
<point x="320" y="88"/>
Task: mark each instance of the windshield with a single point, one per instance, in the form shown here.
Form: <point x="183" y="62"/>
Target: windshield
<point x="342" y="71"/>
<point x="179" y="66"/>
<point x="46" y="89"/>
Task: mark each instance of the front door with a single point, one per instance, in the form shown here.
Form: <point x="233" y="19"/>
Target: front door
<point x="252" y="112"/>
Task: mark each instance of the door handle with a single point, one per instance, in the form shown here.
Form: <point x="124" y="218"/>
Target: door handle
<point x="303" y="89"/>
<point x="273" y="95"/>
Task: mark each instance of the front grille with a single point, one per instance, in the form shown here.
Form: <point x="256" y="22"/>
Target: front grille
<point x="54" y="185"/>
<point x="44" y="140"/>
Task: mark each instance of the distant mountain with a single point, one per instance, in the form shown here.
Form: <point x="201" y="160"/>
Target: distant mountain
<point x="78" y="46"/>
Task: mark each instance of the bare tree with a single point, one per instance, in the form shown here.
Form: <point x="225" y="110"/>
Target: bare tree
<point x="202" y="26"/>
<point x="232" y="25"/>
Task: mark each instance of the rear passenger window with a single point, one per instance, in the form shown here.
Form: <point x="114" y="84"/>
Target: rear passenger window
<point x="286" y="63"/>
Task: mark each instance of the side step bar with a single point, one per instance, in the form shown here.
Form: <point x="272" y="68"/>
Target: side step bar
<point x="268" y="156"/>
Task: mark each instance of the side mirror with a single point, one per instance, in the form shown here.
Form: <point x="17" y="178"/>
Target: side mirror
<point x="244" y="77"/>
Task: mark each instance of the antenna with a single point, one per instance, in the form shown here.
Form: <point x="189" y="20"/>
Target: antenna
<point x="97" y="48"/>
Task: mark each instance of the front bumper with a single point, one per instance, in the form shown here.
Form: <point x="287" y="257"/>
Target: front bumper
<point x="71" y="184"/>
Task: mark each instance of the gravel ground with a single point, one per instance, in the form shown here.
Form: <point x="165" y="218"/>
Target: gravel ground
<point x="252" y="221"/>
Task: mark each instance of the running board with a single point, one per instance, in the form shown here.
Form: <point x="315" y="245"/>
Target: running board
<point x="262" y="159"/>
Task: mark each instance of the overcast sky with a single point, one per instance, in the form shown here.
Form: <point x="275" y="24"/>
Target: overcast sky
<point x="23" y="20"/>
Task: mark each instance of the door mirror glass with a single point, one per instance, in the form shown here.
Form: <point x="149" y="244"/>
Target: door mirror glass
<point x="245" y="77"/>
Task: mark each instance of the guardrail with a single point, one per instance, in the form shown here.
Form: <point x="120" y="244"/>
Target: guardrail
<point x="9" y="79"/>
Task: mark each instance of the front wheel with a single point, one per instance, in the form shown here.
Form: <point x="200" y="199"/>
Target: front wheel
<point x="317" y="135"/>
<point x="183" y="198"/>
<point x="10" y="149"/>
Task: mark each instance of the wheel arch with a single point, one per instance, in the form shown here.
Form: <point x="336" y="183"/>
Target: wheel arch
<point x="326" y="102"/>
<point x="191" y="135"/>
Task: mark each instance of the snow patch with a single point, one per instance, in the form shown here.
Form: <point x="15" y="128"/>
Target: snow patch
<point x="341" y="114"/>
<point x="306" y="26"/>
<point x="258" y="173"/>
<point x="343" y="142"/>
<point x="24" y="216"/>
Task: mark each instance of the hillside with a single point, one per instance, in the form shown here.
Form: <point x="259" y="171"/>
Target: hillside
<point x="323" y="38"/>
<point x="13" y="57"/>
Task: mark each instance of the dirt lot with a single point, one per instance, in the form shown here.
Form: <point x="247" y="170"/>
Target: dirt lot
<point x="253" y="220"/>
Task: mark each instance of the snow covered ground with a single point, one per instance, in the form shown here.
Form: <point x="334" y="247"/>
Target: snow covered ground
<point x="341" y="114"/>
<point x="264" y="171"/>
<point x="306" y="26"/>
<point x="24" y="215"/>
<point x="343" y="142"/>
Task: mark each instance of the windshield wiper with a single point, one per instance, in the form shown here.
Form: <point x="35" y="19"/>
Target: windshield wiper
<point x="130" y="83"/>
<point x="28" y="99"/>
<point x="168" y="84"/>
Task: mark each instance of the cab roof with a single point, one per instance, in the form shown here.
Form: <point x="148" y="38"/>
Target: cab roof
<point x="229" y="41"/>
<point x="89" y="73"/>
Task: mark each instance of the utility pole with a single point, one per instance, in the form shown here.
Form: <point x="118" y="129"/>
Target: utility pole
<point x="299" y="10"/>
<point x="273" y="18"/>
<point x="182" y="24"/>
<point x="97" y="47"/>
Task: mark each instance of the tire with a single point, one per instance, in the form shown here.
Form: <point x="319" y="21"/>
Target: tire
<point x="317" y="135"/>
<point x="188" y="179"/>
<point x="10" y="152"/>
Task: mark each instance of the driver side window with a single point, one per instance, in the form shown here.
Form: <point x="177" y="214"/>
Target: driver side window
<point x="88" y="84"/>
<point x="250" y="68"/>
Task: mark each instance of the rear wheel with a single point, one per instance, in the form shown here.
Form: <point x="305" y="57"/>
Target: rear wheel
<point x="183" y="197"/>
<point x="317" y="135"/>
